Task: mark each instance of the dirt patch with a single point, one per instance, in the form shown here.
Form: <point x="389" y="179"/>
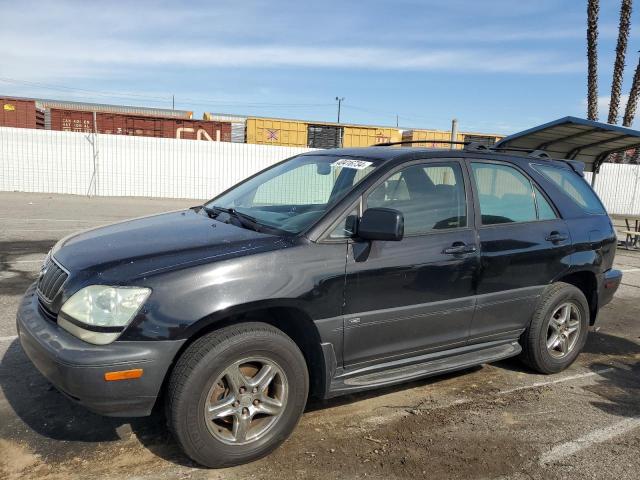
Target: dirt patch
<point x="454" y="441"/>
<point x="15" y="459"/>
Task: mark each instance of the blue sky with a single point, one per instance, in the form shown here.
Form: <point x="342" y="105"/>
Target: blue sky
<point x="498" y="66"/>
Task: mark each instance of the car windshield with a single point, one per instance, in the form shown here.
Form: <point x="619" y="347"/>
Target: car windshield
<point x="294" y="194"/>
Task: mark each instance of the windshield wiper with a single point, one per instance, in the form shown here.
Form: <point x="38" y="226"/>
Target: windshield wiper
<point x="245" y="220"/>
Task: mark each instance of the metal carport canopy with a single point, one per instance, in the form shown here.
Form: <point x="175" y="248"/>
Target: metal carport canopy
<point x="574" y="138"/>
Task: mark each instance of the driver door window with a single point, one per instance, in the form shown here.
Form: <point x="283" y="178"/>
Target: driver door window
<point x="431" y="197"/>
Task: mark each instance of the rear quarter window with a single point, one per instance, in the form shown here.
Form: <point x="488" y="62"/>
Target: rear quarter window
<point x="574" y="186"/>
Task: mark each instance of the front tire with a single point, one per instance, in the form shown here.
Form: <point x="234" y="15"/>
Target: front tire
<point x="558" y="329"/>
<point x="236" y="394"/>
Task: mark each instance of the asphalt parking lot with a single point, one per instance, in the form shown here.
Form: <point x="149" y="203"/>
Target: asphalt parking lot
<point x="494" y="421"/>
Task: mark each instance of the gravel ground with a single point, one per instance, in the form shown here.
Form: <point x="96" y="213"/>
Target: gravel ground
<point x="494" y="421"/>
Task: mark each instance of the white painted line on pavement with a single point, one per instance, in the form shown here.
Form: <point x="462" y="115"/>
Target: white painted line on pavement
<point x="627" y="270"/>
<point x="8" y="339"/>
<point x="558" y="380"/>
<point x="596" y="436"/>
<point x="401" y="411"/>
<point x="28" y="261"/>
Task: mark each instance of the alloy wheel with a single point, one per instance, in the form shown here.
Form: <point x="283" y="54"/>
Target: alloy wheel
<point x="564" y="330"/>
<point x="246" y="400"/>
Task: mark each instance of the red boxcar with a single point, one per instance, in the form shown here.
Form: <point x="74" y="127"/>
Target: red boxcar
<point x="20" y="113"/>
<point x="139" y="125"/>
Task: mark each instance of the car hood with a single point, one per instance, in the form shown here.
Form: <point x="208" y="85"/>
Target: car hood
<point x="148" y="245"/>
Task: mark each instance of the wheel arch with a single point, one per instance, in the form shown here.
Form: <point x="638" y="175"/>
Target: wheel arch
<point x="587" y="282"/>
<point x="287" y="317"/>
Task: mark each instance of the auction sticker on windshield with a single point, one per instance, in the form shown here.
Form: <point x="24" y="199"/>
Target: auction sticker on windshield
<point x="351" y="163"/>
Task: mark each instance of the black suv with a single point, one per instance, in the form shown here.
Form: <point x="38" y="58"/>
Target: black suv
<point x="331" y="272"/>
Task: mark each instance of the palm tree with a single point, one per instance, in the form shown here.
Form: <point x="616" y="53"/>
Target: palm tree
<point x="632" y="102"/>
<point x="618" y="68"/>
<point x="630" y="111"/>
<point x="593" y="9"/>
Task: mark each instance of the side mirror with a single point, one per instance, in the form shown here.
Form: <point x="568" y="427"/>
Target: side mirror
<point x="381" y="224"/>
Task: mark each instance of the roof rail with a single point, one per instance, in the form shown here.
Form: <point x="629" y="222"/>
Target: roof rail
<point x="476" y="147"/>
<point x="409" y="142"/>
<point x="473" y="147"/>
<point x="539" y="154"/>
<point x="516" y="149"/>
<point x="467" y="146"/>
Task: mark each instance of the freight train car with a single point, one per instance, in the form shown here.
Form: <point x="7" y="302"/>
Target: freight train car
<point x="430" y="138"/>
<point x="274" y="131"/>
<point x="164" y="123"/>
<point x="300" y="133"/>
<point x="138" y="125"/>
<point x="356" y="136"/>
<point x="238" y="124"/>
<point x="20" y="113"/>
<point x="45" y="104"/>
<point x="434" y="138"/>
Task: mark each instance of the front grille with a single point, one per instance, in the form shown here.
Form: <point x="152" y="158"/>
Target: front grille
<point x="51" y="280"/>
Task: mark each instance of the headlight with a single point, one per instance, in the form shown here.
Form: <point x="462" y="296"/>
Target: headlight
<point x="99" y="313"/>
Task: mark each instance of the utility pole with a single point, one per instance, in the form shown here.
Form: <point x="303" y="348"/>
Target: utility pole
<point x="397" y="121"/>
<point x="339" y="100"/>
<point x="173" y="102"/>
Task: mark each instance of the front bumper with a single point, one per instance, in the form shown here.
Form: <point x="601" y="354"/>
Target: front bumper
<point x="77" y="368"/>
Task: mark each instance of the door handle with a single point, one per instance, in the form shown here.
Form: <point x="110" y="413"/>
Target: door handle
<point x="459" y="248"/>
<point x="555" y="237"/>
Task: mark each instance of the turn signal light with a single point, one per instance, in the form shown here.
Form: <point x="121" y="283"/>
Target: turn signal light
<point x="123" y="375"/>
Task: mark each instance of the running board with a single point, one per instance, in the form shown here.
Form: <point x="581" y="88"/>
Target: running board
<point x="429" y="365"/>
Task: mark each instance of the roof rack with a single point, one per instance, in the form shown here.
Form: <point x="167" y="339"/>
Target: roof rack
<point x="531" y="152"/>
<point x="476" y="147"/>
<point x="468" y="146"/>
<point x="515" y="149"/>
<point x="408" y="142"/>
<point x="539" y="154"/>
<point x="473" y="147"/>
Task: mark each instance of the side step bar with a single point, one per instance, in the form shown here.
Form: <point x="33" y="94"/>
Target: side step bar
<point x="425" y="366"/>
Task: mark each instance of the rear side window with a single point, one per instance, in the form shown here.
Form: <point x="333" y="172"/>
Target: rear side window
<point x="505" y="194"/>
<point x="574" y="186"/>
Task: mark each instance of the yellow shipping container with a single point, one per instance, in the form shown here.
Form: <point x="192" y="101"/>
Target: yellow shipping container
<point x="367" y="136"/>
<point x="431" y="136"/>
<point x="267" y="131"/>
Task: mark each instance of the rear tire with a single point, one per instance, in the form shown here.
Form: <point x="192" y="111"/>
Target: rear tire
<point x="236" y="394"/>
<point x="558" y="330"/>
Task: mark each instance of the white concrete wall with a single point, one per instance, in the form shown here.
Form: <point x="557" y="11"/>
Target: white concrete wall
<point x="62" y="162"/>
<point x="618" y="186"/>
